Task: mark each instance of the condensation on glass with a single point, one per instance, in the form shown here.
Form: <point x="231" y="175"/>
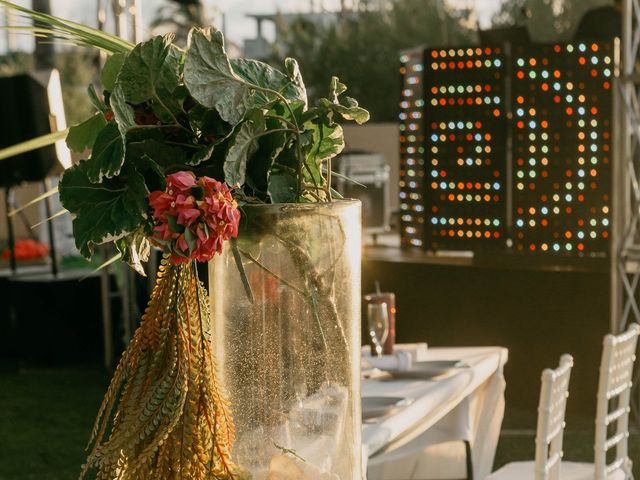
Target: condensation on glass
<point x="287" y="339"/>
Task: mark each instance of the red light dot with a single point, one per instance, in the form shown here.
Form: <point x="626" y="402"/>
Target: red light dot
<point x="520" y="74"/>
<point x="580" y="246"/>
<point x="582" y="60"/>
<point x="532" y="247"/>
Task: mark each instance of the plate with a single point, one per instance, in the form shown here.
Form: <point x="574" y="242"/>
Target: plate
<point x="373" y="407"/>
<point x="431" y="369"/>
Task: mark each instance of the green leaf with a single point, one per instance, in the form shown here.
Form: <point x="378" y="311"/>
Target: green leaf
<point x="122" y="111"/>
<point x="353" y="112"/>
<point x="336" y="88"/>
<point x="282" y="188"/>
<point x="270" y="146"/>
<point x="135" y="249"/>
<point x="243" y="146"/>
<point x="107" y="156"/>
<point x="111" y="69"/>
<point x="96" y="100"/>
<point x="162" y="154"/>
<point x="106" y="211"/>
<point x="201" y="155"/>
<point x="151" y="72"/>
<point x="263" y="75"/>
<point x="328" y="141"/>
<point x="82" y="136"/>
<point x="293" y="71"/>
<point x="211" y="80"/>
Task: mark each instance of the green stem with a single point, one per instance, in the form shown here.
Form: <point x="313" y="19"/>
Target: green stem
<point x="284" y="120"/>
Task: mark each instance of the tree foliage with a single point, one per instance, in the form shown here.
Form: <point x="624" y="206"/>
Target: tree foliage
<point x="362" y="48"/>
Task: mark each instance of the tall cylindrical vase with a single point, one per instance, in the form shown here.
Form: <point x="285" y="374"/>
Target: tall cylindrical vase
<point x="285" y="300"/>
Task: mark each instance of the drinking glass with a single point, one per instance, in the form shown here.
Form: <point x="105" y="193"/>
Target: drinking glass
<point x="378" y="323"/>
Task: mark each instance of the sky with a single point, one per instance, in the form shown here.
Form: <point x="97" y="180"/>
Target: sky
<point x="238" y="26"/>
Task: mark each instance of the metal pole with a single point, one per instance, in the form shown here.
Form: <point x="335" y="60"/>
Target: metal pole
<point x="50" y="232"/>
<point x="8" y="205"/>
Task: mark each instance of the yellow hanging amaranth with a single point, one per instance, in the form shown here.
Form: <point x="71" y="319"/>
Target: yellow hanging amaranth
<point x="167" y="416"/>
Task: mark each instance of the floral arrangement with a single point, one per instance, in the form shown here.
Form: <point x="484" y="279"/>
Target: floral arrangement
<point x="193" y="217"/>
<point x="180" y="140"/>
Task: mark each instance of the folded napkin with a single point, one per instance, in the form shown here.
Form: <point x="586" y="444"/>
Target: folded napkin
<point x="406" y="354"/>
<point x="400" y="361"/>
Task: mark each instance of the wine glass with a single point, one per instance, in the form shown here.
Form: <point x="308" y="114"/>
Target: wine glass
<point x="378" y="322"/>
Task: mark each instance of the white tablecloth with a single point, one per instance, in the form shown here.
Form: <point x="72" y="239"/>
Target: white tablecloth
<point x="467" y="406"/>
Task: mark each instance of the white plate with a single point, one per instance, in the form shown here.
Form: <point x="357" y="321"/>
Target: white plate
<point x="431" y="369"/>
<point x="373" y="407"/>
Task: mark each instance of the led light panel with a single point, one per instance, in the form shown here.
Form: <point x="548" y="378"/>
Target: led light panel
<point x="561" y="132"/>
<point x="465" y="138"/>
<point x="412" y="150"/>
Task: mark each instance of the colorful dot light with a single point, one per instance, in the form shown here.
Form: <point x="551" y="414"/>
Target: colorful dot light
<point x="562" y="110"/>
<point x="412" y="150"/>
<point x="465" y="136"/>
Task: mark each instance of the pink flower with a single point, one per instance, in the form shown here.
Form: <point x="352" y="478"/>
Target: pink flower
<point x="193" y="224"/>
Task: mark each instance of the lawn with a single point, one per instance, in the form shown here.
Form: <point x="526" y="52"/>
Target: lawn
<point x="46" y="416"/>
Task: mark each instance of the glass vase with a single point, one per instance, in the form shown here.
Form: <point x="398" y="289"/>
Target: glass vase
<point x="285" y="298"/>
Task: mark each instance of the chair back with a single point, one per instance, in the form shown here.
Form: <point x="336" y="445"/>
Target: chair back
<point x="614" y="395"/>
<point x="551" y="409"/>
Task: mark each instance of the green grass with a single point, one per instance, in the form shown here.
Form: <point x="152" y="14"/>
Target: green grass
<point x="46" y="417"/>
<point x="45" y="420"/>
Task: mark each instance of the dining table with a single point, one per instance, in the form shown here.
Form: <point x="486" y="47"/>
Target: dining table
<point x="447" y="425"/>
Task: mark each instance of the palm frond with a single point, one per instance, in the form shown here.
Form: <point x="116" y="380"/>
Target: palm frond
<point x="48" y="219"/>
<point x="33" y="144"/>
<point x="57" y="28"/>
<point x="39" y="198"/>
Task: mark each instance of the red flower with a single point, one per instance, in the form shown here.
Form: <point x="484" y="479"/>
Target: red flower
<point x="193" y="217"/>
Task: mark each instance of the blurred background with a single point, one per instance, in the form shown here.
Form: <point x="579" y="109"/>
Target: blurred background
<point x="60" y="338"/>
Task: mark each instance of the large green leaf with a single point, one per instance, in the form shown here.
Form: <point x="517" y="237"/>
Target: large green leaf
<point x="282" y="188"/>
<point x="259" y="166"/>
<point x="82" y="136"/>
<point x="107" y="156"/>
<point x="161" y="153"/>
<point x="263" y="75"/>
<point x="105" y="211"/>
<point x="151" y="72"/>
<point x="211" y="80"/>
<point x="243" y="146"/>
<point x="111" y="69"/>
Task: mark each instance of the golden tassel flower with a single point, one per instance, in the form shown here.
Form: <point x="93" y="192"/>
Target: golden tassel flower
<point x="166" y="414"/>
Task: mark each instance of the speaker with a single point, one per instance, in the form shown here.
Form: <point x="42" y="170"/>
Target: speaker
<point x="365" y="176"/>
<point x="31" y="106"/>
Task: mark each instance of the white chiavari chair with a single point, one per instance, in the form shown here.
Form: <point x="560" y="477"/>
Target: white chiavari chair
<point x="612" y="460"/>
<point x="550" y="429"/>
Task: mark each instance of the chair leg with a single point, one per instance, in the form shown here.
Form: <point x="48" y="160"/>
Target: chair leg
<point x="467" y="446"/>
